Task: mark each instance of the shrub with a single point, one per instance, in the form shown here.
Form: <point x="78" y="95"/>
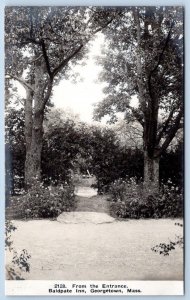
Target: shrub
<point x="123" y="189"/>
<point x="129" y="201"/>
<point x="165" y="249"/>
<point x="170" y="203"/>
<point x="45" y="202"/>
<point x="133" y="208"/>
<point x="9" y="227"/>
<point x="174" y="158"/>
<point x="20" y="262"/>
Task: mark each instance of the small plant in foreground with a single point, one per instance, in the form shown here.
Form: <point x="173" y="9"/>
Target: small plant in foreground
<point x="165" y="249"/>
<point x="20" y="262"/>
<point x="9" y="227"/>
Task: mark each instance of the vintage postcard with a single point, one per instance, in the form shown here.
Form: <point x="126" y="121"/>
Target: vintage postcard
<point x="94" y="111"/>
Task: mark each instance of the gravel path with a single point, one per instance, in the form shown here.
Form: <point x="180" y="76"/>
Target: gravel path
<point x="95" y="203"/>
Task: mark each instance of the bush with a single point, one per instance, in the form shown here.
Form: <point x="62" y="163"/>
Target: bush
<point x="165" y="249"/>
<point x="123" y="189"/>
<point x="45" y="202"/>
<point x="9" y="227"/>
<point x="174" y="158"/>
<point x="20" y="262"/>
<point x="170" y="202"/>
<point x="128" y="201"/>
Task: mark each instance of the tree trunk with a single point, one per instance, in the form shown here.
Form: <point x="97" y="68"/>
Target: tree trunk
<point x="28" y="118"/>
<point x="33" y="153"/>
<point x="34" y="115"/>
<point x="151" y="174"/>
<point x="28" y="133"/>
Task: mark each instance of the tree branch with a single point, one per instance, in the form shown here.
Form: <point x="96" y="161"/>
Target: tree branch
<point x="58" y="35"/>
<point x="36" y="59"/>
<point x="141" y="87"/>
<point x="49" y="89"/>
<point x="65" y="61"/>
<point x="47" y="93"/>
<point x="138" y="116"/>
<point x="165" y="125"/>
<point x="24" y="84"/>
<point x="31" y="40"/>
<point x="171" y="133"/>
<point x="117" y="13"/>
<point x="161" y="54"/>
<point x="46" y="58"/>
<point x="102" y="27"/>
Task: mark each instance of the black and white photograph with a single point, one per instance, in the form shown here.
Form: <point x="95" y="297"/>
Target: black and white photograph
<point x="94" y="150"/>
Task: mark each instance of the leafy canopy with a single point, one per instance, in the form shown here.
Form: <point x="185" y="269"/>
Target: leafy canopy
<point x="143" y="67"/>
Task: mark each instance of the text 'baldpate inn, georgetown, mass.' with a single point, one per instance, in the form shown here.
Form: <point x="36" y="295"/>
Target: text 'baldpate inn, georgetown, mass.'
<point x="92" y="289"/>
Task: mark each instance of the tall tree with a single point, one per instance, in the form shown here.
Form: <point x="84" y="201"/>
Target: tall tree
<point x="143" y="60"/>
<point x="40" y="43"/>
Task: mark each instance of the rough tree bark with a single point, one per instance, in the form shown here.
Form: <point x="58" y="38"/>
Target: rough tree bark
<point x="149" y="106"/>
<point x="34" y="115"/>
<point x="28" y="130"/>
<point x="151" y="173"/>
<point x="149" y="103"/>
<point x="33" y="153"/>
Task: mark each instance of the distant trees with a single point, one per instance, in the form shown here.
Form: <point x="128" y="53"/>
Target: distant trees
<point x="62" y="148"/>
<point x="109" y="160"/>
<point x="70" y="146"/>
<point x="143" y="58"/>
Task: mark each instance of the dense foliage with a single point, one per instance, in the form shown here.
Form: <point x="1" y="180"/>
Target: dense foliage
<point x="14" y="150"/>
<point x="59" y="152"/>
<point x="70" y="147"/>
<point x="172" y="166"/>
<point x="110" y="161"/>
<point x="128" y="200"/>
<point x="43" y="202"/>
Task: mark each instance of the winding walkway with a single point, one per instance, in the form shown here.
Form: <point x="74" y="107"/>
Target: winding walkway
<point x="91" y="208"/>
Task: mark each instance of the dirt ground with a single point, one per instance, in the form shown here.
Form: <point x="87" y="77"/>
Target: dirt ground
<point x="120" y="250"/>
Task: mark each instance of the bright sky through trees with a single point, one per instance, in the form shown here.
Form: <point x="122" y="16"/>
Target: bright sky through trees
<point x="80" y="97"/>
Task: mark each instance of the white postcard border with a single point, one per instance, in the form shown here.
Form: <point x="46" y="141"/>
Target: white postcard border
<point x="93" y="288"/>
